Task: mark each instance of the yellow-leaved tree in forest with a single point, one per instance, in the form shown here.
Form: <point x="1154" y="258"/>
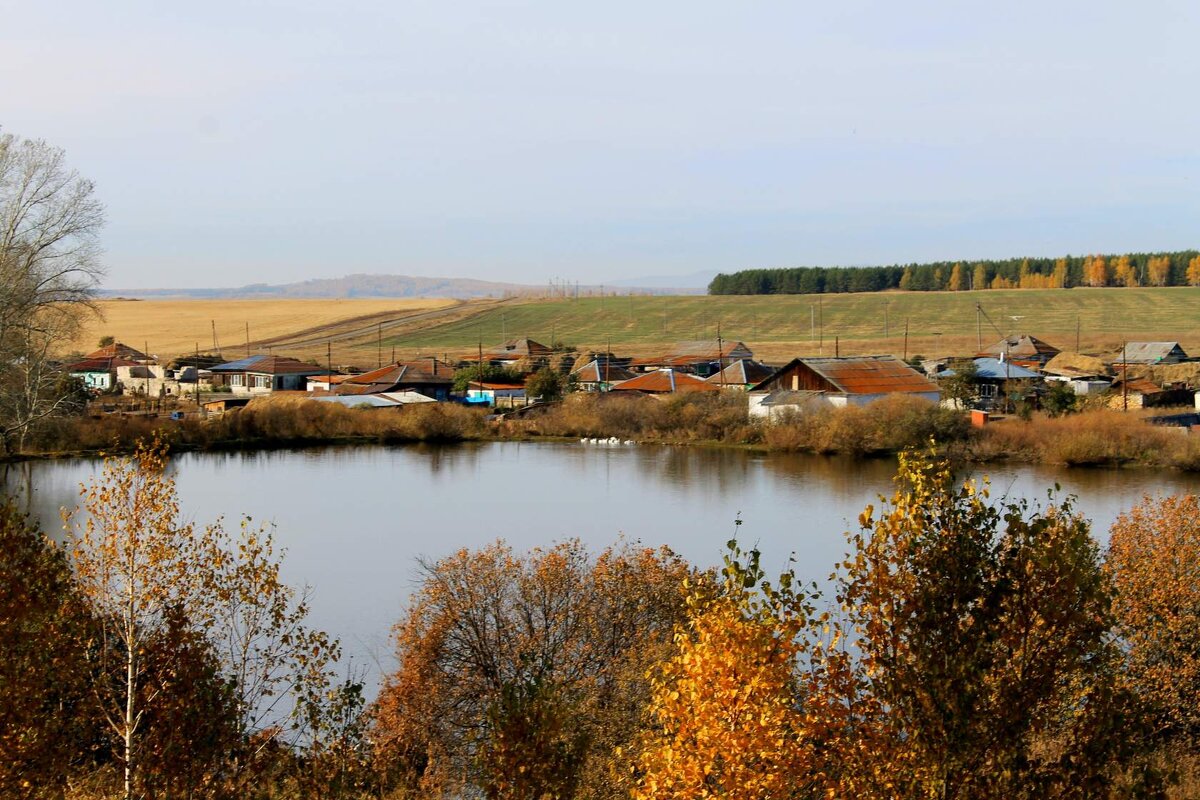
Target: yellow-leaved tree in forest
<point x="176" y="605"/>
<point x="760" y="699"/>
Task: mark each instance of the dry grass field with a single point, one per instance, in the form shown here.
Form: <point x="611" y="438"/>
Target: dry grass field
<point x="364" y="332"/>
<point x="172" y="327"/>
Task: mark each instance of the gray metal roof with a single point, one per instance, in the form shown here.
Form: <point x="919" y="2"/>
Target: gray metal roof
<point x="1148" y="352"/>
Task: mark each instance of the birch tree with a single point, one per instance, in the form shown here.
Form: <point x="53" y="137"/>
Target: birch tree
<point x="49" y="269"/>
<point x="151" y="579"/>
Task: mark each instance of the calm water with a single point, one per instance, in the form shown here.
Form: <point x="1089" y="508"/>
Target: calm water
<point x="355" y="520"/>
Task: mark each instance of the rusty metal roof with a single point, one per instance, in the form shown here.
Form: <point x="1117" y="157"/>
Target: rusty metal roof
<point x="870" y="375"/>
<point x="595" y="372"/>
<point x="101" y="364"/>
<point x="119" y="350"/>
<point x="666" y="381"/>
<point x="701" y="352"/>
<point x="742" y="372"/>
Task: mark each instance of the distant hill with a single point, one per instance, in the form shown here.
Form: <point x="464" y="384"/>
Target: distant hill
<point x="381" y="286"/>
<point x="349" y="286"/>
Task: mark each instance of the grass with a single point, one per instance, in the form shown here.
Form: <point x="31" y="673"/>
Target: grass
<point x="781" y="326"/>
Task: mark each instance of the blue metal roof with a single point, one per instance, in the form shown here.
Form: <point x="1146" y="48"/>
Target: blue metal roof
<point x="997" y="370"/>
<point x="234" y="366"/>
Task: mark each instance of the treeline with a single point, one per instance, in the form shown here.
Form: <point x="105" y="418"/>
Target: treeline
<point x="1133" y="269"/>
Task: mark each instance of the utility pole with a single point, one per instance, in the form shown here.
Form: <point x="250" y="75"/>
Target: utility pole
<point x="978" y="328"/>
<point x="216" y="346"/>
<point x="607" y="358"/>
<point x="329" y="362"/>
<point x="379" y="345"/>
<point x="885" y="319"/>
<point x="906" y="338"/>
<point x="720" y="356"/>
<point x="1125" y="375"/>
<point x="821" y="325"/>
<point x="480" y="374"/>
<point x="812" y="321"/>
<point x="247" y="340"/>
<point x="837" y="348"/>
<point x="1076" y="333"/>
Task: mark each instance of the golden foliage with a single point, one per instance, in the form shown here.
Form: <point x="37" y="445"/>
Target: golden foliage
<point x="1154" y="561"/>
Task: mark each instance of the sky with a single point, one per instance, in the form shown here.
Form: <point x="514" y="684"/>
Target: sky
<point x="246" y="142"/>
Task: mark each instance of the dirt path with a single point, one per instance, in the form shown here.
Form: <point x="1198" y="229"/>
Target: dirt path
<point x="368" y="326"/>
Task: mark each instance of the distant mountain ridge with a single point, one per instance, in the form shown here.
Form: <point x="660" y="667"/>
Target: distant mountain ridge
<point x="363" y="285"/>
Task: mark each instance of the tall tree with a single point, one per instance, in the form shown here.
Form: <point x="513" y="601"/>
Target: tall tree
<point x="1193" y="271"/>
<point x="44" y="730"/>
<point x="522" y="676"/>
<point x="171" y="599"/>
<point x="1154" y="560"/>
<point x="1158" y="270"/>
<point x="49" y="268"/>
<point x="984" y="632"/>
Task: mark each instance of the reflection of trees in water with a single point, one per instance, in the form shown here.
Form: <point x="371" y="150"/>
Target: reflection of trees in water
<point x="705" y="468"/>
<point x="840" y="476"/>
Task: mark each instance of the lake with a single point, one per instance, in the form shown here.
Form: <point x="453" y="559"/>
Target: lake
<point x="355" y="520"/>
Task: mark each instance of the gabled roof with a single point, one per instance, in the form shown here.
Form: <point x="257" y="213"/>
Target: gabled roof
<point x="1023" y="346"/>
<point x="996" y="370"/>
<point x="699" y="352"/>
<point x="1148" y="352"/>
<point x="1137" y="386"/>
<point x="742" y="372"/>
<point x="519" y="348"/>
<point x="862" y="375"/>
<point x="666" y="381"/>
<point x="595" y="371"/>
<point x="398" y="375"/>
<point x="270" y="365"/>
<point x="1076" y="365"/>
<point x="119" y="350"/>
<point x="108" y="364"/>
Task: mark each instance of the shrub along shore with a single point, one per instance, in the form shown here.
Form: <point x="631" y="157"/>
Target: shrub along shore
<point x="883" y="428"/>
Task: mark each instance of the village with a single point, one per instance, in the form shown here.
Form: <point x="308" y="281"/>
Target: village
<point x="1015" y="375"/>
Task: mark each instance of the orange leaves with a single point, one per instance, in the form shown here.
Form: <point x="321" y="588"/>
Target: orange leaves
<point x="523" y="675"/>
<point x="1154" y="562"/>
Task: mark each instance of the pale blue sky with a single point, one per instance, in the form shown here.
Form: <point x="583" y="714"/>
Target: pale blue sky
<point x="277" y="141"/>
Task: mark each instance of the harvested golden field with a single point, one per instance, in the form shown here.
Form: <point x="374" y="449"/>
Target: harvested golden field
<point x="171" y="327"/>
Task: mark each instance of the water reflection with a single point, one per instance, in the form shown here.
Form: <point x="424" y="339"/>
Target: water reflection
<point x="355" y="519"/>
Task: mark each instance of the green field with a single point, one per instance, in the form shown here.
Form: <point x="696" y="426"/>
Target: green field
<point x="777" y="324"/>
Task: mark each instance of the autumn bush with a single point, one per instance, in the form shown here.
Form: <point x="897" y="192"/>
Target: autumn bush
<point x="693" y="417"/>
<point x="1154" y="562"/>
<point x="887" y="425"/>
<point x="1089" y="438"/>
<point x="523" y="676"/>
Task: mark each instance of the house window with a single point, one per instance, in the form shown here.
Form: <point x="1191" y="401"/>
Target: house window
<point x="237" y="380"/>
<point x="262" y="381"/>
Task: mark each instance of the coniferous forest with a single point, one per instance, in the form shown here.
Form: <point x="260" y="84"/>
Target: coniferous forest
<point x="1180" y="268"/>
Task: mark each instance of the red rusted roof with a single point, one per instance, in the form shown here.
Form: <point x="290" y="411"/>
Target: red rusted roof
<point x="108" y="364"/>
<point x="119" y="350"/>
<point x="742" y="372"/>
<point x="870" y="375"/>
<point x="665" y="381"/>
<point x="701" y="352"/>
